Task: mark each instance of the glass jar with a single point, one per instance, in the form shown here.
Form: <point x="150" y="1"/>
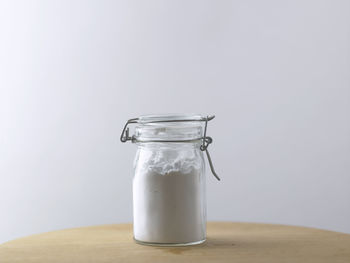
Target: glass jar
<point x="169" y="203"/>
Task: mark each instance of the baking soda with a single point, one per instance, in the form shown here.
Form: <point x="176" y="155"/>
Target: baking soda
<point x="169" y="202"/>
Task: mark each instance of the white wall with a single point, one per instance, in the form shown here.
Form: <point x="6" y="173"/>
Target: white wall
<point x="276" y="74"/>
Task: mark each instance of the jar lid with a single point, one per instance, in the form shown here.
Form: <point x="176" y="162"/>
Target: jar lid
<point x="166" y="127"/>
<point x="172" y="118"/>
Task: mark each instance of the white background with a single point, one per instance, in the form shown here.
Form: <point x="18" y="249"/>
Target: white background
<point x="275" y="73"/>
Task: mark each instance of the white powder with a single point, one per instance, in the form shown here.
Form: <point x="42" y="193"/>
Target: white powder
<point x="169" y="201"/>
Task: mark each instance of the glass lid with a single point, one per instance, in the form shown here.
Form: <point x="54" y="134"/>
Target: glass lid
<point x="170" y="118"/>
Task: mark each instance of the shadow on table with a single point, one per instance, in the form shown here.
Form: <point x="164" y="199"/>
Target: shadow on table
<point x="210" y="243"/>
<point x="230" y="243"/>
<point x="219" y="243"/>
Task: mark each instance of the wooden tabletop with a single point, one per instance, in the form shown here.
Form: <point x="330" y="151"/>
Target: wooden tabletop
<point x="226" y="242"/>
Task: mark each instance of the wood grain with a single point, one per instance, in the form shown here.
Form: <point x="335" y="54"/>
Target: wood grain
<point x="227" y="242"/>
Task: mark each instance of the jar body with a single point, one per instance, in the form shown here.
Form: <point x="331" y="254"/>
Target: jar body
<point x="169" y="195"/>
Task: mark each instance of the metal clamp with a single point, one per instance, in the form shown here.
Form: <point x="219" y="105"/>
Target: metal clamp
<point x="124" y="137"/>
<point x="204" y="147"/>
<point x="206" y="140"/>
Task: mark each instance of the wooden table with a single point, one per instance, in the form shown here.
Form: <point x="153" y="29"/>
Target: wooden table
<point x="227" y="242"/>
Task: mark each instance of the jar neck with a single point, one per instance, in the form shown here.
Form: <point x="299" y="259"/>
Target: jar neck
<point x="168" y="132"/>
<point x="195" y="144"/>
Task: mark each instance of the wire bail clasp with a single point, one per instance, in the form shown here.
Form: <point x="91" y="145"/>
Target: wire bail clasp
<point x="204" y="147"/>
<point x="124" y="137"/>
